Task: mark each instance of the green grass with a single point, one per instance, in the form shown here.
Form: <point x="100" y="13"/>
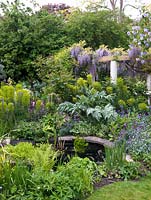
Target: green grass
<point x="128" y="190"/>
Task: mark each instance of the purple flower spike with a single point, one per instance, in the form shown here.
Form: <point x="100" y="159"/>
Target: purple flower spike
<point x="84" y="59"/>
<point x="102" y="52"/>
<point x="75" y="51"/>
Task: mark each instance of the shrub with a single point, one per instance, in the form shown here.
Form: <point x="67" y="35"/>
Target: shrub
<point x="27" y="172"/>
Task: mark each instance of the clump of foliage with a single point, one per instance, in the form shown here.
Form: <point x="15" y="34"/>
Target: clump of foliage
<point x="137" y="135"/>
<point x="28" y="172"/>
<point x="80" y="145"/>
<point x="113" y="34"/>
<point x="129" y="94"/>
<point x="38" y="131"/>
<point x="57" y="72"/>
<point x="117" y="166"/>
<point x="90" y="107"/>
<point x="18" y="103"/>
<point x="24" y="36"/>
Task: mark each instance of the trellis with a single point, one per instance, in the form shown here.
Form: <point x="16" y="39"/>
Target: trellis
<point x="114" y="63"/>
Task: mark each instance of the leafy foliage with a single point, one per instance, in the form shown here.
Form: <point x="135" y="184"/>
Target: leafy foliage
<point x="32" y="175"/>
<point x="24" y="36"/>
<point x="103" y="29"/>
<point x="137" y="134"/>
<point x="93" y="106"/>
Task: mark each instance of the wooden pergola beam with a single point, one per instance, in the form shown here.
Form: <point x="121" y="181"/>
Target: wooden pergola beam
<point x="116" y="58"/>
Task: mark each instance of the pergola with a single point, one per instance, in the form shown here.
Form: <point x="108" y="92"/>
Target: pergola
<point x="114" y="62"/>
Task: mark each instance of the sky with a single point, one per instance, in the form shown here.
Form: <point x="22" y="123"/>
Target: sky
<point x="78" y="3"/>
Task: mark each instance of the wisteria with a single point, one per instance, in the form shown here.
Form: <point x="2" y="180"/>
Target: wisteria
<point x="102" y="52"/>
<point x="90" y="60"/>
<point x="85" y="58"/>
<point x="75" y="51"/>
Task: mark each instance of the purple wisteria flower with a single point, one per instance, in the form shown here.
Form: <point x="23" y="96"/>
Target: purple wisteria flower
<point x="93" y="71"/>
<point x="75" y="51"/>
<point x="84" y="59"/>
<point x="102" y="52"/>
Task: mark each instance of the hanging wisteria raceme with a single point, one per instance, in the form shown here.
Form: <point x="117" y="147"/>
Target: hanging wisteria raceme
<point x="85" y="58"/>
<point x="93" y="70"/>
<point x="102" y="52"/>
<point x="89" y="60"/>
<point x="75" y="51"/>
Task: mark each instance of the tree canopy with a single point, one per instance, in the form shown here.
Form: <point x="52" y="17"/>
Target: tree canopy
<point x="25" y="35"/>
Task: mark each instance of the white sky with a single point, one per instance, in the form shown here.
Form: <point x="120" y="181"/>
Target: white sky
<point x="78" y="3"/>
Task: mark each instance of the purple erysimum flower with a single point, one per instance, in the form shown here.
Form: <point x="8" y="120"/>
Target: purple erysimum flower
<point x="128" y="33"/>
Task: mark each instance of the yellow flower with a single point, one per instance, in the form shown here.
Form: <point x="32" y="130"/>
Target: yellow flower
<point x="81" y="82"/>
<point x="143" y="107"/>
<point x="10" y="107"/>
<point x="38" y="105"/>
<point x="109" y="90"/>
<point x="97" y="86"/>
<point x="122" y="103"/>
<point x="131" y="101"/>
<point x="89" y="79"/>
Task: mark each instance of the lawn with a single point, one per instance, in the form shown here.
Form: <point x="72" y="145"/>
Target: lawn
<point x="129" y="190"/>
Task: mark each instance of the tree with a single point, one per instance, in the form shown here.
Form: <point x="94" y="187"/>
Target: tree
<point x="117" y="6"/>
<point x="25" y="35"/>
<point x="97" y="28"/>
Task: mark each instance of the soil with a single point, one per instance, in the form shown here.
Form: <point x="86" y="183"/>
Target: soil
<point x="106" y="181"/>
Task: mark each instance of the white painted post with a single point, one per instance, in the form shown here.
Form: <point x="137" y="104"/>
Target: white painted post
<point x="149" y="88"/>
<point x="113" y="71"/>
